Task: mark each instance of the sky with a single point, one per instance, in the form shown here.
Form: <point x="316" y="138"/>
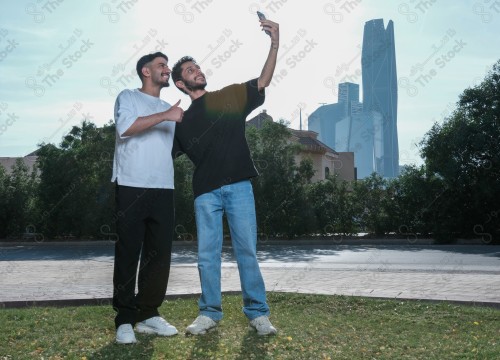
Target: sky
<point x="62" y="61"/>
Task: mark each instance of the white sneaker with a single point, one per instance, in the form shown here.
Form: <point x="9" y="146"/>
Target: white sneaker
<point x="263" y="326"/>
<point x="156" y="325"/>
<point x="201" y="325"/>
<point x="125" y="334"/>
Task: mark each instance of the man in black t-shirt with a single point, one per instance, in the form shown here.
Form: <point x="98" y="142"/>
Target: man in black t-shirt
<point x="212" y="135"/>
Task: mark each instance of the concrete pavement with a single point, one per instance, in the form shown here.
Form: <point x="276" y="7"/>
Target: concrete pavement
<point x="88" y="280"/>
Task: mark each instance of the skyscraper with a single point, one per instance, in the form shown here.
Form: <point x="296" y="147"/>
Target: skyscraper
<point x="380" y="91"/>
<point x="368" y="129"/>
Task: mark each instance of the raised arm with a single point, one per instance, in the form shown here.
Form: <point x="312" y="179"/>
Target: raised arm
<point x="268" y="70"/>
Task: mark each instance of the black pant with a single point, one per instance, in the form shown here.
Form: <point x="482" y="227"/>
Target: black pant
<point x="145" y="227"/>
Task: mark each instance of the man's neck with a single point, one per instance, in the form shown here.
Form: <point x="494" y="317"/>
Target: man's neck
<point x="196" y="94"/>
<point x="151" y="90"/>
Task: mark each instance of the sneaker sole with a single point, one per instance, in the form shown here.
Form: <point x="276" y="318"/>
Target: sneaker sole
<point x="148" y="330"/>
<point x="262" y="333"/>
<point x="201" y="332"/>
<point x="125" y="342"/>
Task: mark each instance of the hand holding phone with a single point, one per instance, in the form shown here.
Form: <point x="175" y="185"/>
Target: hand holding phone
<point x="263" y="17"/>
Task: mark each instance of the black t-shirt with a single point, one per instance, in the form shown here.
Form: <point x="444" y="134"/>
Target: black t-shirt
<point x="212" y="135"/>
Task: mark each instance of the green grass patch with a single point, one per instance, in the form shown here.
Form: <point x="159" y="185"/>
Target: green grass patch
<point x="310" y="327"/>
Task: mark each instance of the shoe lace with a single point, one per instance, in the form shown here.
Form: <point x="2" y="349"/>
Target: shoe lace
<point x="262" y="322"/>
<point x="161" y="321"/>
<point x="202" y="320"/>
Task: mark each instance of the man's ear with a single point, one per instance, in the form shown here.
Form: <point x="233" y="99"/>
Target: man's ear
<point x="180" y="85"/>
<point x="145" y="71"/>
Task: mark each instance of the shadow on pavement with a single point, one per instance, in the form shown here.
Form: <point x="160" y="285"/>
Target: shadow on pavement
<point x="187" y="254"/>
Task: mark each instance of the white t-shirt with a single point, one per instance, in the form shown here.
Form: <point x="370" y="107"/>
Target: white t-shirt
<point x="143" y="160"/>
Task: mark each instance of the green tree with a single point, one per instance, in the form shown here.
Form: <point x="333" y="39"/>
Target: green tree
<point x="280" y="195"/>
<point x="414" y="194"/>
<point x="17" y="200"/>
<point x="464" y="152"/>
<point x="75" y="193"/>
<point x="4" y="213"/>
<point x="371" y="200"/>
<point x="185" y="228"/>
<point x="333" y="207"/>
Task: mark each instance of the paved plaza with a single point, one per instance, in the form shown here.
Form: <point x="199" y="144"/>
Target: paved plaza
<point x="60" y="274"/>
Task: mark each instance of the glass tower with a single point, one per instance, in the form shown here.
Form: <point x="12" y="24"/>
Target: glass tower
<point x="369" y="129"/>
<point x="380" y="91"/>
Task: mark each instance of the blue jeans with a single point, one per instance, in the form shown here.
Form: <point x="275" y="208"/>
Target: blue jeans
<point x="237" y="202"/>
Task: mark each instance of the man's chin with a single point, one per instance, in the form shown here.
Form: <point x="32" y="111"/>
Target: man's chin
<point x="200" y="86"/>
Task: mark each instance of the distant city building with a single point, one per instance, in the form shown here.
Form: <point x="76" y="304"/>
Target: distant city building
<point x="326" y="161"/>
<point x="369" y="129"/>
<point x="380" y="89"/>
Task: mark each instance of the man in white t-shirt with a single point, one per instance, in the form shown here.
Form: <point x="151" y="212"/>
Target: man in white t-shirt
<point x="144" y="175"/>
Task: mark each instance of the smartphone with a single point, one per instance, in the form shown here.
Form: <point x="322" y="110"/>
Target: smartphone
<point x="263" y="17"/>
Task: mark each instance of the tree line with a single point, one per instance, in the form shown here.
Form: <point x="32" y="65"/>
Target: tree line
<point x="454" y="194"/>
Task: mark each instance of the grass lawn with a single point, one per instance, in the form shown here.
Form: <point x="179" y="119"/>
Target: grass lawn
<point x="310" y="327"/>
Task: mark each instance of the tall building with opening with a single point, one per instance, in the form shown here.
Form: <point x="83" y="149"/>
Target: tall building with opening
<point x="369" y="129"/>
<point x="380" y="89"/>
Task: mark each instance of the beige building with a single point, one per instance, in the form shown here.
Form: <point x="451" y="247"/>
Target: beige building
<point x="326" y="161"/>
<point x="28" y="160"/>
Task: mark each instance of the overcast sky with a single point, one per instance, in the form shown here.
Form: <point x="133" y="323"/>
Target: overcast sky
<point x="62" y="61"/>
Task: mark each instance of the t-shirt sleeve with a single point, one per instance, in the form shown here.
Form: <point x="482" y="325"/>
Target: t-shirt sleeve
<point x="125" y="113"/>
<point x="254" y="96"/>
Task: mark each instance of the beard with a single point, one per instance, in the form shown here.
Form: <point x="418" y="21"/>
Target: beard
<point x="159" y="81"/>
<point x="192" y="86"/>
<point x="165" y="83"/>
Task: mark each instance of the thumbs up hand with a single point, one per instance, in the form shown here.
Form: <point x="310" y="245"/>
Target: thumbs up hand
<point x="175" y="113"/>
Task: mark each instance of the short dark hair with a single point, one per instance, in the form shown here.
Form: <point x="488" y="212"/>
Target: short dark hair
<point x="147" y="59"/>
<point x="177" y="69"/>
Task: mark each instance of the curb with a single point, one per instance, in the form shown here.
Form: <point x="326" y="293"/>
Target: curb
<point x="108" y="301"/>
